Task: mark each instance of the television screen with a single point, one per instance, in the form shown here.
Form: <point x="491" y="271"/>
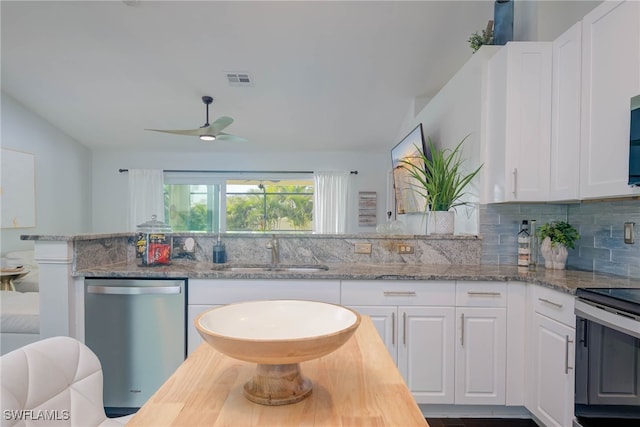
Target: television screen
<point x="410" y="148"/>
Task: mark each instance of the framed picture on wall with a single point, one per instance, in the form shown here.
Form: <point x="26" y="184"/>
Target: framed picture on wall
<point x="409" y="149"/>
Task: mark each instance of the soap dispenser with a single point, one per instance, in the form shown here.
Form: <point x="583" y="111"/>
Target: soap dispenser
<point x="219" y="252"/>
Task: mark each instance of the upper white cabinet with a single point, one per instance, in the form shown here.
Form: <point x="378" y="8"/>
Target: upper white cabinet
<point x="518" y="123"/>
<point x="565" y="120"/>
<point x="610" y="77"/>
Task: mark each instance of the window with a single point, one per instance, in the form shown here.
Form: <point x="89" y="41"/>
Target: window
<point x="201" y="202"/>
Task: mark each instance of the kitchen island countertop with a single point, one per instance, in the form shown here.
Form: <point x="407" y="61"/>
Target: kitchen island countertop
<point x="358" y="384"/>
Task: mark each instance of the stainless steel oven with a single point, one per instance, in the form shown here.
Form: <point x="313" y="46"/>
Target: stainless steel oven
<point x="607" y="375"/>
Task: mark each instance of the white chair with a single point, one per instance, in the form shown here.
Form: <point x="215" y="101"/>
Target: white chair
<point x="55" y="381"/>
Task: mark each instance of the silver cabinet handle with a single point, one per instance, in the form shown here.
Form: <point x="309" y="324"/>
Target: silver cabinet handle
<point x="133" y="290"/>
<point x="399" y="293"/>
<point x="393" y="328"/>
<point x="484" y="294"/>
<point x="404" y="329"/>
<point x="462" y="329"/>
<point x="567" y="341"/>
<point x="515" y="183"/>
<point x="555" y="304"/>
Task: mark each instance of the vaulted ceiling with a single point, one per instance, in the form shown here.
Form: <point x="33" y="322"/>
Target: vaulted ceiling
<point x="325" y="75"/>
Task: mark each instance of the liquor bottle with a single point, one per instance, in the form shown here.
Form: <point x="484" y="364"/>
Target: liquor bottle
<point x="524" y="245"/>
<point x="533" y="257"/>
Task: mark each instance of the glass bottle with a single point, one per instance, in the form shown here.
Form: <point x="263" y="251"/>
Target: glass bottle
<point x="533" y="258"/>
<point x="524" y="245"/>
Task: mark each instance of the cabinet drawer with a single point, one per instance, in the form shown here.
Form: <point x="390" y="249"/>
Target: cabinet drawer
<point x="230" y="291"/>
<point x="553" y="304"/>
<point x="398" y="292"/>
<point x="481" y="294"/>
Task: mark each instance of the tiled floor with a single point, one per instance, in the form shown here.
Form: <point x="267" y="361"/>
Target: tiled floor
<point x="479" y="422"/>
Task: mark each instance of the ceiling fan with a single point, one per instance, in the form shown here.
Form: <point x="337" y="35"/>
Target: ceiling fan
<point x="208" y="131"/>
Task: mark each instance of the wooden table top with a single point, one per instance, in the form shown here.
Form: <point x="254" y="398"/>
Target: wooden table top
<point x="357" y="385"/>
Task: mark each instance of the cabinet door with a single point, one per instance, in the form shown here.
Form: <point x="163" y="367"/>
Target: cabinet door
<point x="610" y="77"/>
<point x="519" y="123"/>
<point x="425" y="352"/>
<point x="384" y="318"/>
<point x="193" y="336"/>
<point x="553" y="374"/>
<point x="565" y="120"/>
<point x="480" y="355"/>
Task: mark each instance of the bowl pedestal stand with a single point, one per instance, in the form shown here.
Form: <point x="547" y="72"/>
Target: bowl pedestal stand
<point x="275" y="385"/>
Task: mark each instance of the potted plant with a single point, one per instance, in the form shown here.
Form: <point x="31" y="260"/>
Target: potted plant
<point x="441" y="180"/>
<point x="556" y="238"/>
<point x="476" y="41"/>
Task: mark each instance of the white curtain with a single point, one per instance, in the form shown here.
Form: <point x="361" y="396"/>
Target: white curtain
<point x="146" y="196"/>
<point x="330" y="202"/>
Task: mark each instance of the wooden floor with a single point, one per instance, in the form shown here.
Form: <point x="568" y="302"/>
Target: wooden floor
<point x="479" y="422"/>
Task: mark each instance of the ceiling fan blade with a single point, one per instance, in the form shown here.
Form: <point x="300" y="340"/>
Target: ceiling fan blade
<point x="191" y="132"/>
<point x="218" y="125"/>
<point x="228" y="137"/>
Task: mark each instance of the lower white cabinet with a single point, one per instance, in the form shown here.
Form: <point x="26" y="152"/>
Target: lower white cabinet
<point x="420" y="340"/>
<point x="480" y="355"/>
<point x="416" y="321"/>
<point x="552" y="351"/>
<point x="481" y="343"/>
<point x="448" y="339"/>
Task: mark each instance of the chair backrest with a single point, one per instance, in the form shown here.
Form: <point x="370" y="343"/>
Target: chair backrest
<point x="55" y="381"/>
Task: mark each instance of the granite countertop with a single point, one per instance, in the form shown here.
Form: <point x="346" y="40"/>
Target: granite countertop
<point x="563" y="280"/>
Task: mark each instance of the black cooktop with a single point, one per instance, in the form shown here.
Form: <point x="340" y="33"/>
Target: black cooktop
<point x="625" y="299"/>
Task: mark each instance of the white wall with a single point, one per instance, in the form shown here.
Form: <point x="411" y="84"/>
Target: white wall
<point x="110" y="186"/>
<point x="63" y="175"/>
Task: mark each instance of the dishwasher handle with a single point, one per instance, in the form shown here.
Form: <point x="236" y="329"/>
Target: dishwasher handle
<point x="133" y="290"/>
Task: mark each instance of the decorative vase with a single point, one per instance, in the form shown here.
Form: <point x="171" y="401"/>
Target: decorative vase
<point x="555" y="257"/>
<point x="440" y="222"/>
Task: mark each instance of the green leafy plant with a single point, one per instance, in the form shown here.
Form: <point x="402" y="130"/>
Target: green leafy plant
<point x="559" y="232"/>
<point x="476" y="40"/>
<point x="440" y="179"/>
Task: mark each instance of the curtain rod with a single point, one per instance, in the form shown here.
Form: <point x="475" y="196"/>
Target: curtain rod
<point x="231" y="171"/>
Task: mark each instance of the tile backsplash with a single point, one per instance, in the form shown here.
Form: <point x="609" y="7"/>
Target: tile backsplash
<point x="601" y="226"/>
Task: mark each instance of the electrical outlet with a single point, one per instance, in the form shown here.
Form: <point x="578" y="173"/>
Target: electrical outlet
<point x="363" y="248"/>
<point x="628" y="232"/>
<point x="404" y="249"/>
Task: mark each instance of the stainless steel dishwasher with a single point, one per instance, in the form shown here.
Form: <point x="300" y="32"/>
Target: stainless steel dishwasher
<point x="136" y="327"/>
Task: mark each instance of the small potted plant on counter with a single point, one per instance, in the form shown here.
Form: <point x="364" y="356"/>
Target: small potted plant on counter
<point x="556" y="238"/>
<point x="441" y="180"/>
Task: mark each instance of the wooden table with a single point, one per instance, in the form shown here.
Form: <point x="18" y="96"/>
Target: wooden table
<point x="357" y="385"/>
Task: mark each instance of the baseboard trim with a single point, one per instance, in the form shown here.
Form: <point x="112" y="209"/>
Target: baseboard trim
<point x="474" y="411"/>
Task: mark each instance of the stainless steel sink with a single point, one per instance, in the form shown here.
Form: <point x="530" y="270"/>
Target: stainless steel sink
<point x="310" y="268"/>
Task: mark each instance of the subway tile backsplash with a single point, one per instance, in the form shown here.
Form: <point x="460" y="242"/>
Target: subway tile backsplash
<point x="601" y="246"/>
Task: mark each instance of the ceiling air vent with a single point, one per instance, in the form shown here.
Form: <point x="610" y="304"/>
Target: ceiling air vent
<point x="239" y="79"/>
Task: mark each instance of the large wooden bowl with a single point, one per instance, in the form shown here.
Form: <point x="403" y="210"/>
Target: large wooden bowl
<point x="277" y="335"/>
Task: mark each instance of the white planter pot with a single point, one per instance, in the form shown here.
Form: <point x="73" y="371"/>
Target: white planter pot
<point x="440" y="222"/>
<point x="555" y="257"/>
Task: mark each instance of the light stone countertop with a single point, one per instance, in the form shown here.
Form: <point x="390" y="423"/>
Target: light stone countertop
<point x="563" y="280"/>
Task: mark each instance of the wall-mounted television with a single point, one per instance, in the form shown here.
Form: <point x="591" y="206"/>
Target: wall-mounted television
<point x="409" y="148"/>
<point x="634" y="143"/>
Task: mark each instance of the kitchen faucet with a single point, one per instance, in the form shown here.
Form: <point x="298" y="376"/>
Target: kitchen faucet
<point x="275" y="250"/>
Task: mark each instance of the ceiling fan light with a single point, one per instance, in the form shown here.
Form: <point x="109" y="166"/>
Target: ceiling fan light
<point x="207" y="137"/>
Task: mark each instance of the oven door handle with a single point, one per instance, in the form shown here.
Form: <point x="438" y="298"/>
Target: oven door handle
<point x="624" y="323"/>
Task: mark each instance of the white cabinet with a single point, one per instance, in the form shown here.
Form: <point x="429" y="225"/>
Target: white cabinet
<point x="610" y="77"/>
<point x="206" y="294"/>
<point x="416" y="322"/>
<point x="518" y="123"/>
<point x="552" y="353"/>
<point x="480" y="351"/>
<point x="565" y="120"/>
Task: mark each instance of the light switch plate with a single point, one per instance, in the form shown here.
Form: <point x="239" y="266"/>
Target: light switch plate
<point x="628" y="233"/>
